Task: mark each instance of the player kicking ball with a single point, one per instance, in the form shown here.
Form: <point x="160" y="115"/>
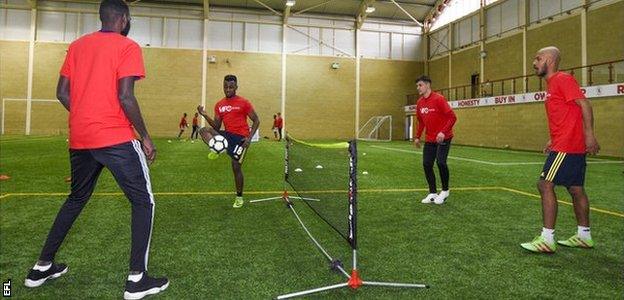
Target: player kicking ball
<point x="232" y="111"/>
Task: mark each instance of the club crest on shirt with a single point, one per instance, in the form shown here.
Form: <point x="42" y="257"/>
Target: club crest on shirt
<point x="228" y="108"/>
<point x="426" y="110"/>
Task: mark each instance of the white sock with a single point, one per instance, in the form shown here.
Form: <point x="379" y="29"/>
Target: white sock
<point x="548" y="235"/>
<point x="135" y="278"/>
<point x="42" y="268"/>
<point x="584" y="233"/>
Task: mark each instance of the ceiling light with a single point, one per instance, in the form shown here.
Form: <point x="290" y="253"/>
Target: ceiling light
<point x="290" y="3"/>
<point x="370" y="9"/>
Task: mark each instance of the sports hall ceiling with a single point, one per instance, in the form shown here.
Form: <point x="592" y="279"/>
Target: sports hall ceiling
<point x="383" y="8"/>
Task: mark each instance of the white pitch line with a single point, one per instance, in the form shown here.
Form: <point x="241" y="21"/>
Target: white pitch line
<point x="452" y="157"/>
<point x="495" y="163"/>
<point x="525" y="152"/>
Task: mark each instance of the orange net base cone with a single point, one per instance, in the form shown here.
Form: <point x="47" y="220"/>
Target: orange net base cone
<point x="355" y="281"/>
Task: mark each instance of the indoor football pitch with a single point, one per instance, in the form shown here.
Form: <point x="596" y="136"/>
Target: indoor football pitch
<point x="467" y="248"/>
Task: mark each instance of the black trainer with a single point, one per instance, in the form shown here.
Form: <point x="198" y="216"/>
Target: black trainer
<point x="146" y="286"/>
<point x="36" y="278"/>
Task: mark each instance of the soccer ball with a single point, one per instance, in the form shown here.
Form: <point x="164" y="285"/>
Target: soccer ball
<point x="218" y="144"/>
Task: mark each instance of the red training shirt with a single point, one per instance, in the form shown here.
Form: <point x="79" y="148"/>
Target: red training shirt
<point x="435" y="114"/>
<point x="565" y="117"/>
<point x="279" y="122"/>
<point x="234" y="111"/>
<point x="195" y="121"/>
<point x="183" y="122"/>
<point x="94" y="63"/>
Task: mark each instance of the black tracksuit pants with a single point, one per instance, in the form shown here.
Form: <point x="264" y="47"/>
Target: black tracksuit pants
<point x="431" y="153"/>
<point x="128" y="164"/>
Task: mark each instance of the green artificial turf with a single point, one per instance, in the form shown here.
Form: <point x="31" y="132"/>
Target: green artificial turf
<point x="466" y="248"/>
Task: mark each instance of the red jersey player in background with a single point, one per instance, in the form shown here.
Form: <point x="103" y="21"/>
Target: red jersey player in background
<point x="183" y="124"/>
<point x="436" y="117"/>
<point x="279" y="124"/>
<point x="274" y="128"/>
<point x="571" y="127"/>
<point x="195" y="127"/>
<point x="232" y="111"/>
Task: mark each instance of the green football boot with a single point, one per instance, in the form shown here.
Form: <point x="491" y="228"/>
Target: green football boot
<point x="540" y="245"/>
<point x="576" y="242"/>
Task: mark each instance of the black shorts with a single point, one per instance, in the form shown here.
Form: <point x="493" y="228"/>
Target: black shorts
<point x="235" y="145"/>
<point x="565" y="169"/>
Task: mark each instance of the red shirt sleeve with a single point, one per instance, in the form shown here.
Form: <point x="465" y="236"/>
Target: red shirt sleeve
<point x="131" y="62"/>
<point x="570" y="89"/>
<point x="67" y="65"/>
<point x="450" y="114"/>
<point x="421" y="124"/>
<point x="249" y="108"/>
<point x="444" y="106"/>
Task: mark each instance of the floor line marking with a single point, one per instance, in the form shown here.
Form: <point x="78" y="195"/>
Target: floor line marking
<point x="469" y="188"/>
<point x="604" y="211"/>
<point x="497" y="163"/>
<point x="249" y="192"/>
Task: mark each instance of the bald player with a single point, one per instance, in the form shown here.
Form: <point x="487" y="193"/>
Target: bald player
<point x="570" y="122"/>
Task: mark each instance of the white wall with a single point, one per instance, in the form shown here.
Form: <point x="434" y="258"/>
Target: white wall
<point x="391" y="41"/>
<point x="14" y="23"/>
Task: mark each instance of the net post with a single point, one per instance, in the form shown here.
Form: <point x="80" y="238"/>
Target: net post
<point x="286" y="149"/>
<point x="353" y="199"/>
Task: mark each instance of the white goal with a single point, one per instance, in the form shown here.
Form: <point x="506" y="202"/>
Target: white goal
<point x="377" y="128"/>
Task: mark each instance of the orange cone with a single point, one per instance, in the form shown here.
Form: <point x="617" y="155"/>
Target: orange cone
<point x="355" y="281"/>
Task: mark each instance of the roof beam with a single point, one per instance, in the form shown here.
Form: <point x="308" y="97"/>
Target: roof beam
<point x="206" y="8"/>
<point x="407" y="13"/>
<point x="424" y="4"/>
<point x="312" y="7"/>
<point x="268" y="7"/>
<point x="286" y="13"/>
<point x="362" y="14"/>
